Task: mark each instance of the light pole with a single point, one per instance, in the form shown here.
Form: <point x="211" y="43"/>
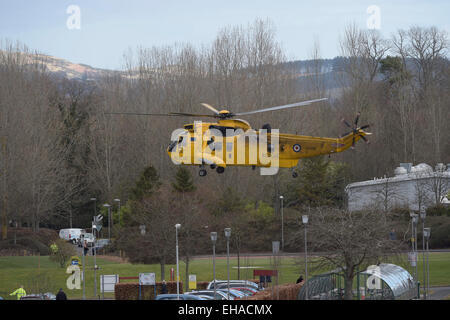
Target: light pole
<point x="228" y="235"/>
<point x="414" y="220"/>
<point x="282" y="224"/>
<point x="118" y="201"/>
<point x="94" y="227"/>
<point x="275" y="251"/>
<point x="109" y="219"/>
<point x="177" y="226"/>
<point x="305" y="222"/>
<point x="427" y="234"/>
<point x="214" y="239"/>
<point x="423" y="215"/>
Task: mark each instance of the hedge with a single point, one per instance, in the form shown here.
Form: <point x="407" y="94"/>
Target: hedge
<point x="282" y="292"/>
<point x="130" y="291"/>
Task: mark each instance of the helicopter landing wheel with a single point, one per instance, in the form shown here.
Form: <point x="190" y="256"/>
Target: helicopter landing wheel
<point x="213" y="166"/>
<point x="220" y="170"/>
<point x="294" y="174"/>
<point x="202" y="173"/>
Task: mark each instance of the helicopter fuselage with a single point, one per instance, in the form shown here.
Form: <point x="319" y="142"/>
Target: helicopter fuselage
<point x="234" y="143"/>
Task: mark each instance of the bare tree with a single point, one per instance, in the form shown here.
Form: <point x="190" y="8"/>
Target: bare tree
<point x="350" y="241"/>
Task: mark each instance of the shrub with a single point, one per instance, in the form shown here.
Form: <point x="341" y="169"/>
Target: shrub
<point x="62" y="253"/>
<point x="282" y="292"/>
<point x="130" y="291"/>
<point x="32" y="244"/>
<point x="439" y="211"/>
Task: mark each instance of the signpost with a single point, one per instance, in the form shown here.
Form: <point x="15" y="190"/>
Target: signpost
<point x="108" y="282"/>
<point x="192" y="281"/>
<point x="147" y="279"/>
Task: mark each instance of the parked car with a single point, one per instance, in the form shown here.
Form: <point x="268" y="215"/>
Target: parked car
<point x="39" y="296"/>
<point x="246" y="290"/>
<point x="210" y="293"/>
<point x="240" y="283"/>
<point x="100" y="243"/>
<point x="32" y="297"/>
<point x="235" y="293"/>
<point x="224" y="285"/>
<point x="88" y="237"/>
<point x="174" y="296"/>
<point x="71" y="234"/>
<point x="49" y="296"/>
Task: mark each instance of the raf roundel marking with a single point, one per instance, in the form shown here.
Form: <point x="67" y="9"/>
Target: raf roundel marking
<point x="296" y="147"/>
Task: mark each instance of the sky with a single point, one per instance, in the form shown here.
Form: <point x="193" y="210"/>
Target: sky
<point x="99" y="32"/>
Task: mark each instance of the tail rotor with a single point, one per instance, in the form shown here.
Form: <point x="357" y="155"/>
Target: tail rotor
<point x="357" y="131"/>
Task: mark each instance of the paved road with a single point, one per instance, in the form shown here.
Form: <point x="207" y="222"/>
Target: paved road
<point x="439" y="293"/>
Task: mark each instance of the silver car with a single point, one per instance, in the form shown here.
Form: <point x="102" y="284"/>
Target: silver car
<point x="220" y="295"/>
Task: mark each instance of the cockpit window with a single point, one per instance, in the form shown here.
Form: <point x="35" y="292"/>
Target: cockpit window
<point x="224" y="130"/>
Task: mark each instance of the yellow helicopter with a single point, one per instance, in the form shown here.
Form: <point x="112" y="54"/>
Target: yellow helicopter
<point x="232" y="142"/>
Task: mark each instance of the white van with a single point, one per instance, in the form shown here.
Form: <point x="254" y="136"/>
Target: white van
<point x="72" y="235"/>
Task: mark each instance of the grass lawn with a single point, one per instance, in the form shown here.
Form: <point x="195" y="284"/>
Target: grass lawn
<point x="28" y="270"/>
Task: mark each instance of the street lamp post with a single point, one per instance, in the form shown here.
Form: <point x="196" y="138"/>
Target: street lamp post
<point x="214" y="239"/>
<point x="282" y="224"/>
<point x="109" y="219"/>
<point x="427" y="234"/>
<point x="423" y="215"/>
<point x="275" y="252"/>
<point x="414" y="220"/>
<point x="228" y="235"/>
<point x="305" y="222"/>
<point x="118" y="201"/>
<point x="94" y="228"/>
<point x="177" y="226"/>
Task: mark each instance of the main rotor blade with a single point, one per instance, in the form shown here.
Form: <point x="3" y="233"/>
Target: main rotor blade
<point x="297" y="104"/>
<point x="141" y="114"/>
<point x="192" y="115"/>
<point x="210" y="108"/>
<point x="171" y="114"/>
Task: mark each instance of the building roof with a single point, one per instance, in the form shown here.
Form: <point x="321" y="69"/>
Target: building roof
<point x="420" y="171"/>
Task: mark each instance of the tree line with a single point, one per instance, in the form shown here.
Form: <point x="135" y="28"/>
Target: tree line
<point x="60" y="147"/>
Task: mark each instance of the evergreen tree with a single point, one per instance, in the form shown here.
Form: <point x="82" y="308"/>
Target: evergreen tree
<point x="321" y="183"/>
<point x="147" y="184"/>
<point x="183" y="181"/>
